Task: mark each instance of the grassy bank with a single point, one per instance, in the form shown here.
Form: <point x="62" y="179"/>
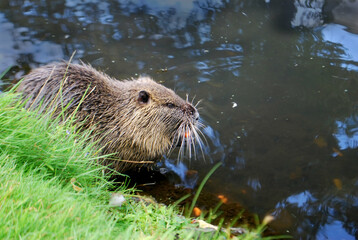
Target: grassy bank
<point x="51" y="187"/>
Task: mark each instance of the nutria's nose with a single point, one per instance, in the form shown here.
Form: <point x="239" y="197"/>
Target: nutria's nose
<point x="189" y="109"/>
<point x="196" y="115"/>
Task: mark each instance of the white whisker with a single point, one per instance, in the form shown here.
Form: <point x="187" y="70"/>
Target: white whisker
<point x="198" y="139"/>
<point x="196" y="105"/>
<point x="192" y="100"/>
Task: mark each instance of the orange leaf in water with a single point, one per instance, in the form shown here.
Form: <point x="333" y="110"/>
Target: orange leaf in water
<point x="339" y="153"/>
<point x="320" y="142"/>
<point x="196" y="212"/>
<point x="222" y="198"/>
<point x="338" y="183"/>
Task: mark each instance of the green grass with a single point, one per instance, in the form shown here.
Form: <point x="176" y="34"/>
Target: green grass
<point x="51" y="186"/>
<point x="33" y="208"/>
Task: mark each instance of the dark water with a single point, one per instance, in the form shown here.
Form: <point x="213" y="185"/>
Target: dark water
<point x="278" y="80"/>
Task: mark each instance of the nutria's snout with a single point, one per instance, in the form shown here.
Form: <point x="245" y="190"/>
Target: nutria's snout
<point x="188" y="135"/>
<point x="190" y="110"/>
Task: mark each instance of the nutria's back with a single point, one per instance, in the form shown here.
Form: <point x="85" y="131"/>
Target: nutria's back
<point x="139" y="120"/>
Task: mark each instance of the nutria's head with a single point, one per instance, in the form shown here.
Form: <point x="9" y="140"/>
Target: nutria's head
<point x="153" y="120"/>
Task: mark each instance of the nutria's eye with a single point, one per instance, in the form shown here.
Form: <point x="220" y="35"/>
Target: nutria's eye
<point x="170" y="105"/>
<point x="143" y="97"/>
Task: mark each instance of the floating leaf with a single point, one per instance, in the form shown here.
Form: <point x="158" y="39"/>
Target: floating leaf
<point x="337" y="152"/>
<point x="338" y="183"/>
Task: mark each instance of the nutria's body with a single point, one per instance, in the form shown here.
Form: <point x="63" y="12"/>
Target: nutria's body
<point x="139" y="120"/>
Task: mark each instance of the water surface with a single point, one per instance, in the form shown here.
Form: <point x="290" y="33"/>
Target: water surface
<point x="278" y="83"/>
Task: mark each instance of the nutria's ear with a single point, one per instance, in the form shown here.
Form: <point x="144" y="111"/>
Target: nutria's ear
<point x="143" y="97"/>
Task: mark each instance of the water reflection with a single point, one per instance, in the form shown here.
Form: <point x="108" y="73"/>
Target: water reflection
<point x="301" y="199"/>
<point x="336" y="222"/>
<point x="188" y="178"/>
<point x="337" y="34"/>
<point x="278" y="81"/>
<point x="169" y="17"/>
<point x="347" y="133"/>
<point x="315" y="13"/>
<point x="334" y="230"/>
<point x="308" y="14"/>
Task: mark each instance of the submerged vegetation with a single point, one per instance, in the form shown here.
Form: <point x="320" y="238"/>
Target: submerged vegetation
<point x="52" y="187"/>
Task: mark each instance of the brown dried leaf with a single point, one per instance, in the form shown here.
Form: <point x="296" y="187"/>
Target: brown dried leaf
<point x="338" y="183"/>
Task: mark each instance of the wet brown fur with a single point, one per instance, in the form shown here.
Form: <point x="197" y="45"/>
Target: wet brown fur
<point x="137" y="132"/>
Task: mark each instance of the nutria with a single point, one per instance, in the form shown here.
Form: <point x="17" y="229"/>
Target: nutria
<point x="137" y="121"/>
